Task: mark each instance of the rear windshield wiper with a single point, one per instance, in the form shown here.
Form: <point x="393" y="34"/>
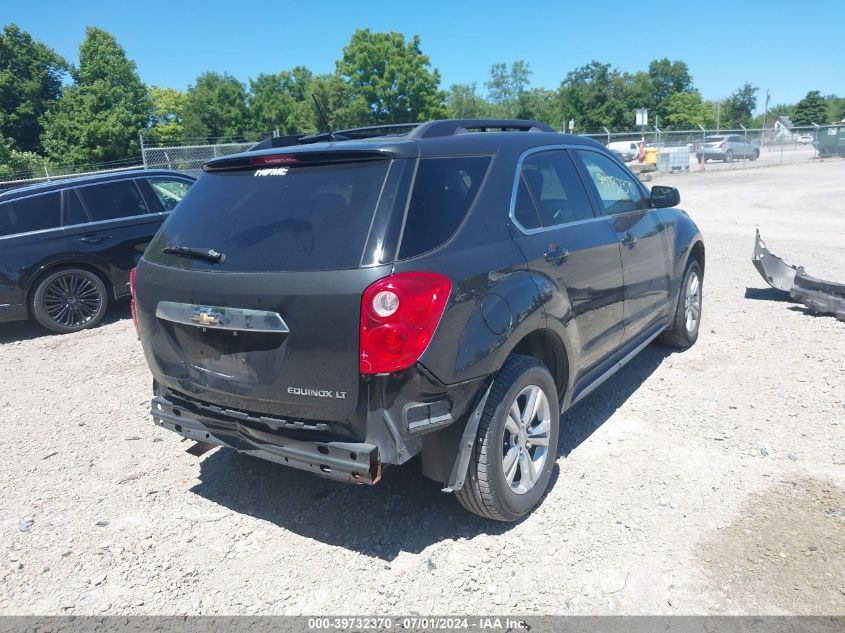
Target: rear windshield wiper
<point x="209" y="255"/>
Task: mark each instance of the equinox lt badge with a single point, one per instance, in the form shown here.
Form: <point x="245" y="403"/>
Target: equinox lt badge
<point x="317" y="393"/>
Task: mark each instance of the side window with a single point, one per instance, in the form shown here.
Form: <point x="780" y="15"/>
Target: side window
<point x="550" y="192"/>
<point x="35" y="213"/>
<point x="168" y="191"/>
<point x="74" y="212"/>
<point x="444" y="190"/>
<point x="112" y="200"/>
<point x="617" y="190"/>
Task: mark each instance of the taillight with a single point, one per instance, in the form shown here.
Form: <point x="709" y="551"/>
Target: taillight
<point x="132" y="307"/>
<point x="721" y="145"/>
<point x="399" y="315"/>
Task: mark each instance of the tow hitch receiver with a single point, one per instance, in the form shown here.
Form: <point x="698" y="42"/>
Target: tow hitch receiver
<point x="821" y="296"/>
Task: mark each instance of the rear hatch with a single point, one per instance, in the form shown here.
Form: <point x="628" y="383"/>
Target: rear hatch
<point x="268" y="322"/>
<point x="714" y="142"/>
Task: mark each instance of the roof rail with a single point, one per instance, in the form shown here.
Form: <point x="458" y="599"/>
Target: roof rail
<point x="432" y="129"/>
<point x="451" y="127"/>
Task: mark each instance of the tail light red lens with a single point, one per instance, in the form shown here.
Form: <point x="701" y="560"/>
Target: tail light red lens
<point x="132" y="307"/>
<point x="721" y="145"/>
<point x="399" y="315"/>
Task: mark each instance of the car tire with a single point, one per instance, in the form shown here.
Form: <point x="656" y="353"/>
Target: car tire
<point x="683" y="332"/>
<point x="506" y="446"/>
<point x="69" y="300"/>
<point x="755" y="155"/>
<point x="729" y="156"/>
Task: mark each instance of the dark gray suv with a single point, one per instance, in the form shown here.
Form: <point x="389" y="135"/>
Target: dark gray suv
<point x="346" y="301"/>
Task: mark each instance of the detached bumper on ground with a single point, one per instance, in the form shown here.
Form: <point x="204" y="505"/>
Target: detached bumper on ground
<point x="821" y="296"/>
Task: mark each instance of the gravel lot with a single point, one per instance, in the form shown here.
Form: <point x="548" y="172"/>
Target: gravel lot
<point x="711" y="481"/>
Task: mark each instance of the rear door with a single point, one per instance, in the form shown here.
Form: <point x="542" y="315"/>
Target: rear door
<point x="646" y="241"/>
<point x="571" y="251"/>
<point x="30" y="236"/>
<point x="272" y="325"/>
<point x="120" y="228"/>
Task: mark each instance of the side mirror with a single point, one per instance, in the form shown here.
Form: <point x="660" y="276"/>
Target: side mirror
<point x="662" y="197"/>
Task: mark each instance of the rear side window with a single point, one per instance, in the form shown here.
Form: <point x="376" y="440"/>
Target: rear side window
<point x="169" y="191"/>
<point x="34" y="213"/>
<point x="550" y="192"/>
<point x="314" y="217"/>
<point x="113" y="200"/>
<point x="444" y="190"/>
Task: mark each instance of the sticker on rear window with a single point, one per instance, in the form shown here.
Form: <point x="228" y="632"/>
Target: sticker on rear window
<point x="271" y="171"/>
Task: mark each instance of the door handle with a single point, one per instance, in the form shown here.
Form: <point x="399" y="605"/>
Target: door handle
<point x="94" y="238"/>
<point x="629" y="240"/>
<point x="556" y="254"/>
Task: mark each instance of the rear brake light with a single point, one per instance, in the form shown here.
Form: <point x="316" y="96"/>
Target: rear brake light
<point x="721" y="145"/>
<point x="276" y="159"/>
<point x="132" y="307"/>
<point x="399" y="315"/>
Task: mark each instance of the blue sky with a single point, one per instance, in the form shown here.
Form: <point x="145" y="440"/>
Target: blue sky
<point x="786" y="47"/>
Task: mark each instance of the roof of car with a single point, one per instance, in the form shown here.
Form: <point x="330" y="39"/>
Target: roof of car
<point x="64" y="183"/>
<point x="450" y="136"/>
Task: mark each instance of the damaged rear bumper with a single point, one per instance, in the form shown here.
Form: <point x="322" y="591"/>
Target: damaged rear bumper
<point x="342" y="461"/>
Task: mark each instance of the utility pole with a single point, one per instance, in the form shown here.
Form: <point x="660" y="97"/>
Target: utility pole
<point x="765" y="116"/>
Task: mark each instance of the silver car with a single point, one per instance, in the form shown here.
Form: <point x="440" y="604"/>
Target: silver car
<point x="727" y="147"/>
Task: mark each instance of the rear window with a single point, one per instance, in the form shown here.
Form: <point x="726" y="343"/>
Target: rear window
<point x="313" y="217"/>
<point x="444" y="190"/>
<point x="714" y="139"/>
<point x="34" y="213"/>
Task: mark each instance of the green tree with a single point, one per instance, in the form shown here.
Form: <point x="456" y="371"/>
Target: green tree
<point x="168" y="111"/>
<point x="100" y="116"/>
<point x="835" y="108"/>
<point x="540" y="104"/>
<point x="685" y="110"/>
<point x="215" y="108"/>
<point x="811" y="109"/>
<point x="507" y="86"/>
<point x="666" y="78"/>
<point x="594" y="95"/>
<point x="464" y="102"/>
<point x="30" y="84"/>
<point x="14" y="162"/>
<point x="393" y="76"/>
<point x="274" y="100"/>
<point x="343" y="106"/>
<point x="738" y="108"/>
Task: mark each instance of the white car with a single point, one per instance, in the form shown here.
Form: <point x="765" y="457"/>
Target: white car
<point x="626" y="150"/>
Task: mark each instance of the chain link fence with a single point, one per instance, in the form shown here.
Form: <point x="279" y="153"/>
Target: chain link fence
<point x="771" y="145"/>
<point x="188" y="158"/>
<point x="46" y="172"/>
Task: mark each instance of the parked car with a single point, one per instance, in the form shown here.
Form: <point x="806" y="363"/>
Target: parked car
<point x="804" y="139"/>
<point x="66" y="247"/>
<point x="726" y="148"/>
<point x="342" y="306"/>
<point x="626" y="150"/>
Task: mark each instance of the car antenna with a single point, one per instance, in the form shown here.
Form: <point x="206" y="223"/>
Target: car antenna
<point x="324" y="117"/>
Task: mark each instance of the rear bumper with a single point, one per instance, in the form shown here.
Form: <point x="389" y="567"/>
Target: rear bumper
<point x="342" y="461"/>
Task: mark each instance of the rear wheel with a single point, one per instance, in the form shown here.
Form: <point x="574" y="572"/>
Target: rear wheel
<point x="516" y="444"/>
<point x="70" y="300"/>
<point x="755" y="155"/>
<point x="729" y="156"/>
<point x="683" y="333"/>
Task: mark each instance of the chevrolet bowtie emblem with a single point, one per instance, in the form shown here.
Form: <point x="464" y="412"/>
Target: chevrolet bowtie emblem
<point x="206" y="316"/>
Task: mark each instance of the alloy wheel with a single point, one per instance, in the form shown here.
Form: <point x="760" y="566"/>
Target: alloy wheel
<point x="692" y="302"/>
<point x="72" y="300"/>
<point x="525" y="445"/>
